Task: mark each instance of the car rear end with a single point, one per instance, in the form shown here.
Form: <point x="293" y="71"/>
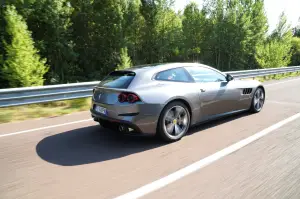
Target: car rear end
<point x="121" y="108"/>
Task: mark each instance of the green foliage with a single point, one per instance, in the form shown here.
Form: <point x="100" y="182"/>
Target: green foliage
<point x="23" y="66"/>
<point x="98" y="35"/>
<point x="125" y="60"/>
<point x="295" y="60"/>
<point x="51" y="25"/>
<point x="84" y="40"/>
<point x="276" y="50"/>
<point x="234" y="30"/>
<point x="296" y="30"/>
<point x="134" y="23"/>
<point x="161" y="34"/>
<point x="193" y="26"/>
<point x="273" y="54"/>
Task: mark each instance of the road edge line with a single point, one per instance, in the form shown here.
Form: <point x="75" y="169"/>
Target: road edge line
<point x="162" y="182"/>
<point x="43" y="128"/>
<point x="281" y="82"/>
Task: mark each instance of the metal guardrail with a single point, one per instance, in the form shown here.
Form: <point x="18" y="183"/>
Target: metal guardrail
<point x="263" y="72"/>
<point x="41" y="94"/>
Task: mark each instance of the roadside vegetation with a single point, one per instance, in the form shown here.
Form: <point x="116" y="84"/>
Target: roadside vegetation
<point x="46" y="42"/>
<point x="52" y="109"/>
<point x="59" y="108"/>
<point x="278" y="77"/>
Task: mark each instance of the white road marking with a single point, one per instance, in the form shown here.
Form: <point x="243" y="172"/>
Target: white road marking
<point x="281" y="82"/>
<point x="43" y="128"/>
<point x="204" y="162"/>
<point x="284" y="103"/>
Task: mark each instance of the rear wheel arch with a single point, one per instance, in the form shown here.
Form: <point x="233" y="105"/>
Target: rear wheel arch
<point x="182" y="101"/>
<point x="263" y="88"/>
<point x="178" y="100"/>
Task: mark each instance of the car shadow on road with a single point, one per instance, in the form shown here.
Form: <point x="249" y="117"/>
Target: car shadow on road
<point x="94" y="144"/>
<point x="216" y="122"/>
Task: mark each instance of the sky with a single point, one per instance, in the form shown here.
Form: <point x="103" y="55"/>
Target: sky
<point x="273" y="9"/>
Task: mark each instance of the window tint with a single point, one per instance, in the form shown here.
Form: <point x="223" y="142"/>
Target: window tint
<point x="177" y="74"/>
<point x="118" y="79"/>
<point x="202" y="74"/>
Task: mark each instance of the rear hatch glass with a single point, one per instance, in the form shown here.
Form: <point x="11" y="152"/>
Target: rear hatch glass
<point x="118" y="79"/>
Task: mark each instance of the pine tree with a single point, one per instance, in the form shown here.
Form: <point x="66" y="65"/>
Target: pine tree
<point x="22" y="66"/>
<point x="125" y="60"/>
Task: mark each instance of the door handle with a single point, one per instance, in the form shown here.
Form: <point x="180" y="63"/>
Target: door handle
<point x="202" y="90"/>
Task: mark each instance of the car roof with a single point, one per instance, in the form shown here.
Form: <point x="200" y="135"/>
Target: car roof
<point x="157" y="67"/>
<point x="144" y="73"/>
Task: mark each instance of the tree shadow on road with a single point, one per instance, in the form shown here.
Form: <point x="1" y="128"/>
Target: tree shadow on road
<point x="94" y="144"/>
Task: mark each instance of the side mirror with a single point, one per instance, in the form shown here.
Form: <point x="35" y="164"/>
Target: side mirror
<point x="229" y="77"/>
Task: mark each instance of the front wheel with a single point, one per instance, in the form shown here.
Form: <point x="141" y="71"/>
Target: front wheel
<point x="258" y="100"/>
<point x="174" y="122"/>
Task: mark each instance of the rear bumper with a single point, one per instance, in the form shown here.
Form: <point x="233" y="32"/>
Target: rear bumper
<point x="142" y="118"/>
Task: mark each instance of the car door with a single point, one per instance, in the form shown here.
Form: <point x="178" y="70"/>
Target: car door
<point x="216" y="94"/>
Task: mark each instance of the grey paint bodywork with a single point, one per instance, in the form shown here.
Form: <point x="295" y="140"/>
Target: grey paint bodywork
<point x="218" y="98"/>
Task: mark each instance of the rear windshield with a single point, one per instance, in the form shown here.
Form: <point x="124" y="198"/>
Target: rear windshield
<point x="118" y="79"/>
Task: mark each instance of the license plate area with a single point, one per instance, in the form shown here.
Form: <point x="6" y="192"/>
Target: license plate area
<point x="100" y="109"/>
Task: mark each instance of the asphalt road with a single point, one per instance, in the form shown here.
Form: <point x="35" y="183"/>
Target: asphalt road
<point x="80" y="160"/>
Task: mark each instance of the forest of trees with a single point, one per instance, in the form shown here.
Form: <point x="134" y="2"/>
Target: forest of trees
<point x="46" y="42"/>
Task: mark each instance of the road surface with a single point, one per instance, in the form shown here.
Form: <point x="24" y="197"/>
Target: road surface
<point x="72" y="157"/>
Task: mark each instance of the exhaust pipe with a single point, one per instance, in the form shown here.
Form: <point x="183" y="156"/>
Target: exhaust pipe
<point x="95" y="119"/>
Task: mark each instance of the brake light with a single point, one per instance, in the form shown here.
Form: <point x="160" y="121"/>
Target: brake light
<point x="131" y="98"/>
<point x="122" y="97"/>
<point x="128" y="97"/>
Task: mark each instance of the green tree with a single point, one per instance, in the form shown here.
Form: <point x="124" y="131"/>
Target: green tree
<point x="3" y="36"/>
<point x="169" y="32"/>
<point x="104" y="37"/>
<point x="193" y="26"/>
<point x="295" y="59"/>
<point x="82" y="35"/>
<point x="276" y="50"/>
<point x="50" y="22"/>
<point x="235" y="28"/>
<point x="296" y="30"/>
<point x="162" y="32"/>
<point x="22" y="66"/>
<point x="132" y="29"/>
<point x="125" y="60"/>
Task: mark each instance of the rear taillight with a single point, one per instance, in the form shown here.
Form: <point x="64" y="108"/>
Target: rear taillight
<point x="128" y="97"/>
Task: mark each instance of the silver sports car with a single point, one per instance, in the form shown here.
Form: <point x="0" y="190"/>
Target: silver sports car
<point x="167" y="99"/>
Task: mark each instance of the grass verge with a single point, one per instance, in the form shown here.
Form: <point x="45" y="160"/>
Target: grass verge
<point x="19" y="113"/>
<point x="52" y="109"/>
<point x="278" y="77"/>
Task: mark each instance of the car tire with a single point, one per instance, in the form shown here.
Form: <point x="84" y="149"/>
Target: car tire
<point x="172" y="128"/>
<point x="258" y="97"/>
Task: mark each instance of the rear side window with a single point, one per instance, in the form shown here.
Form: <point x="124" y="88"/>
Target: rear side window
<point x="176" y="74"/>
<point x="118" y="79"/>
